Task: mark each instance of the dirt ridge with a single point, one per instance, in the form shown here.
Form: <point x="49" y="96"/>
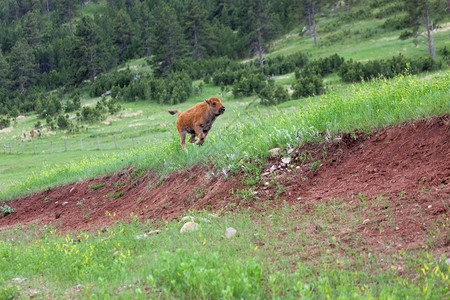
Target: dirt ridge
<point x="409" y="165"/>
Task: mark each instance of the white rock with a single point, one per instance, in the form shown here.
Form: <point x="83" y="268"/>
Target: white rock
<point x="141" y="236"/>
<point x="290" y="151"/>
<point x="286" y="160"/>
<point x="188" y="227"/>
<point x="430" y="206"/>
<point x="274" y="152"/>
<point x="230" y="232"/>
<point x="19" y="280"/>
<point x="64" y="203"/>
<point x="272" y="168"/>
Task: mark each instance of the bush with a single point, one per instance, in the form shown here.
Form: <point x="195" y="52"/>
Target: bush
<point x="307" y="86"/>
<point x="271" y="95"/>
<point x="90" y="114"/>
<point x="352" y="71"/>
<point x="6" y="210"/>
<point x="249" y="84"/>
<point x="4" y="122"/>
<point x="62" y="122"/>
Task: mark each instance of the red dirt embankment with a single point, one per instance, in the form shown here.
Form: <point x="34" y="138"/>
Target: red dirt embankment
<point x="409" y="165"/>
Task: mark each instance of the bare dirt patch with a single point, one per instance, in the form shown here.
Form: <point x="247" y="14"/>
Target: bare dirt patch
<point x="397" y="179"/>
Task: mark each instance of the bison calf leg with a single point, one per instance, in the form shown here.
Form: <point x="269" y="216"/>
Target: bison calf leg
<point x="201" y="135"/>
<point x="183" y="139"/>
<point x="192" y="139"/>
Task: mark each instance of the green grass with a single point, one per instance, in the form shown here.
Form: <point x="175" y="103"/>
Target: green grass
<point x="248" y="135"/>
<point x="276" y="254"/>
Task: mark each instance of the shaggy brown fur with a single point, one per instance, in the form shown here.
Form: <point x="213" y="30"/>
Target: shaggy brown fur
<point x="198" y="120"/>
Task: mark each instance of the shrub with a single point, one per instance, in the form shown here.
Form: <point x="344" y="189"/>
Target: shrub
<point x="62" y="122"/>
<point x="273" y="95"/>
<point x="6" y="210"/>
<point x="90" y="114"/>
<point x="249" y="84"/>
<point x="4" y="122"/>
<point x="352" y="71"/>
<point x="307" y="86"/>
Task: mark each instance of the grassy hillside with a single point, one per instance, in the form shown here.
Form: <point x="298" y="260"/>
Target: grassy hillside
<point x="148" y="123"/>
<point x="352" y="247"/>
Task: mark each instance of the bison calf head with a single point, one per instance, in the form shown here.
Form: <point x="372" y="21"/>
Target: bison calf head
<point x="216" y="106"/>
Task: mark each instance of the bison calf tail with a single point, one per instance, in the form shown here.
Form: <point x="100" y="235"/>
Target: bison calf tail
<point x="173" y="111"/>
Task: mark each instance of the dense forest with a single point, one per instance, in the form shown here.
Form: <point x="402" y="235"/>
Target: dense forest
<point x="48" y="45"/>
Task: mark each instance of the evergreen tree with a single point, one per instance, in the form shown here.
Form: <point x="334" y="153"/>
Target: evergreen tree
<point x="122" y="31"/>
<point x="168" y="42"/>
<point x="66" y="10"/>
<point x="22" y="66"/>
<point x="87" y="52"/>
<point x="3" y="70"/>
<point x="258" y="26"/>
<point x="31" y="28"/>
<point x="419" y="13"/>
<point x="195" y="27"/>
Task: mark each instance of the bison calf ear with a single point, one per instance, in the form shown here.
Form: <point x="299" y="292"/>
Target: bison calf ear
<point x="207" y="101"/>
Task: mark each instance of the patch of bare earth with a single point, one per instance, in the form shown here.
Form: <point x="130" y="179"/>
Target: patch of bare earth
<point x="397" y="180"/>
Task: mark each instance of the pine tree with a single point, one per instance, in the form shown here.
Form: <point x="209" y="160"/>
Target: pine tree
<point x="195" y="27"/>
<point x="87" y="52"/>
<point x="3" y="70"/>
<point x="122" y="33"/>
<point x="168" y="42"/>
<point x="419" y="12"/>
<point x="22" y="66"/>
<point x="31" y="28"/>
<point x="258" y="26"/>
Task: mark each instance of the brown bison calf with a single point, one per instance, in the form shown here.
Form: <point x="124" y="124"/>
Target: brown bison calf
<point x="198" y="120"/>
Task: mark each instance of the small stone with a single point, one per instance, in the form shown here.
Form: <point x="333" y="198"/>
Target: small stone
<point x="274" y="152"/>
<point x="430" y="206"/>
<point x="71" y="190"/>
<point x="19" y="280"/>
<point x="64" y="203"/>
<point x="265" y="173"/>
<point x="299" y="198"/>
<point x="154" y="232"/>
<point x="290" y="151"/>
<point x="230" y="232"/>
<point x="366" y="221"/>
<point x="266" y="183"/>
<point x="396" y="228"/>
<point x="141" y="236"/>
<point x="187" y="218"/>
<point x="188" y="227"/>
<point x="286" y="160"/>
<point x="272" y="168"/>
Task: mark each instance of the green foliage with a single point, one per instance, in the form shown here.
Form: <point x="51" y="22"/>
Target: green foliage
<point x="62" y="122"/>
<point x="6" y="210"/>
<point x="352" y="71"/>
<point x="5" y="121"/>
<point x="273" y="95"/>
<point x="307" y="86"/>
<point x="106" y="82"/>
<point x="249" y="84"/>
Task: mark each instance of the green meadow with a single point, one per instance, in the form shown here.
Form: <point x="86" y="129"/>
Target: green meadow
<point x="277" y="252"/>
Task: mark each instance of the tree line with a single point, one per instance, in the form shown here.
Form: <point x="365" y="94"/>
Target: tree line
<point x="62" y="44"/>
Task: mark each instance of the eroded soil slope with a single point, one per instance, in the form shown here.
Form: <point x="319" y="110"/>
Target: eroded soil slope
<point x="400" y="173"/>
